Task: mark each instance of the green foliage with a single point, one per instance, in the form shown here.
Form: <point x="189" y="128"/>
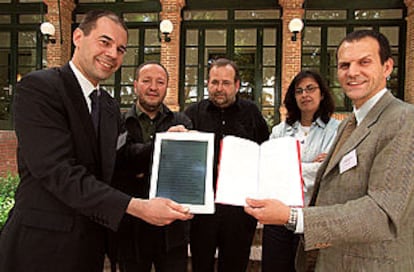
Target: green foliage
<point x="8" y="187"/>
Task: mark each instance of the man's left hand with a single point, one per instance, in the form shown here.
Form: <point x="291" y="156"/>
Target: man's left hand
<point x="268" y="211"/>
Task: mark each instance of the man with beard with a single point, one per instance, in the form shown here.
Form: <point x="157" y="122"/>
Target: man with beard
<point x="229" y="229"/>
<point x="138" y="244"/>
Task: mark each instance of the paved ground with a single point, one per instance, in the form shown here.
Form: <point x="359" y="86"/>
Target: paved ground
<point x="255" y="254"/>
<point x="254" y="266"/>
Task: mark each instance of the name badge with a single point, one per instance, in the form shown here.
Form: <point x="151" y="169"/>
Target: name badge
<point x="348" y="161"/>
<point x="121" y="140"/>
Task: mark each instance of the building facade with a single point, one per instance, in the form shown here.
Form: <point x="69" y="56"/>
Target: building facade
<point x="253" y="33"/>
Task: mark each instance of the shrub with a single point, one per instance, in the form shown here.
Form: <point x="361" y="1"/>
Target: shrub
<point x="8" y="187"/>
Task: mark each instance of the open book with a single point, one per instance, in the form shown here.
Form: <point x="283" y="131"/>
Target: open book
<point x="269" y="170"/>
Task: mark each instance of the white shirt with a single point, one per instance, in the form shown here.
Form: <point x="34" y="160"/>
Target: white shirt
<point x="86" y="86"/>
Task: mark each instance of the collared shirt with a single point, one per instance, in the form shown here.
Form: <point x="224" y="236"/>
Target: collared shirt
<point x="148" y="125"/>
<point x="360" y="114"/>
<point x="86" y="86"/>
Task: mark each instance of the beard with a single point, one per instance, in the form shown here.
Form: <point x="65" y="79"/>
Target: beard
<point x="221" y="100"/>
<point x="148" y="106"/>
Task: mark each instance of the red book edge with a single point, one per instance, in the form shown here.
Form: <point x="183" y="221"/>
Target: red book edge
<point x="302" y="182"/>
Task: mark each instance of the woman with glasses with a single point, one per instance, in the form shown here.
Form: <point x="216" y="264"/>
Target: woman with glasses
<point x="309" y="105"/>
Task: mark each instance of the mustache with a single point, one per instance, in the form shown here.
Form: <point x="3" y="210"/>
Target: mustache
<point x="219" y="93"/>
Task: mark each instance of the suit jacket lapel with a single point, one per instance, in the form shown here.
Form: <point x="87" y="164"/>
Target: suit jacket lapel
<point x="359" y="134"/>
<point x="75" y="95"/>
<point x="108" y="131"/>
<point x="356" y="137"/>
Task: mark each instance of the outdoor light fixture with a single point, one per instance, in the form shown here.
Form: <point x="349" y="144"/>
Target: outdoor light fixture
<point x="166" y="27"/>
<point x="48" y="30"/>
<point x="295" y="26"/>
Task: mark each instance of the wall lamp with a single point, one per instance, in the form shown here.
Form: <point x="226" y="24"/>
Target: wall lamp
<point x="295" y="26"/>
<point x="166" y="27"/>
<point x="48" y="30"/>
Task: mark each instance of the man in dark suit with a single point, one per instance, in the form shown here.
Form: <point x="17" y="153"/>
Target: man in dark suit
<point x="361" y="214"/>
<point x="64" y="203"/>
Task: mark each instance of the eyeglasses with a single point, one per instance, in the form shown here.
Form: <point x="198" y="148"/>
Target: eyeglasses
<point x="309" y="89"/>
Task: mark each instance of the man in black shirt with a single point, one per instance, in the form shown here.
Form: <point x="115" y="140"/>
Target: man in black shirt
<point x="141" y="245"/>
<point x="230" y="229"/>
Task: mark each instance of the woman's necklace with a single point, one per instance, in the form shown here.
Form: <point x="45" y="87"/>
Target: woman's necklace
<point x="302" y="133"/>
<point x="305" y="130"/>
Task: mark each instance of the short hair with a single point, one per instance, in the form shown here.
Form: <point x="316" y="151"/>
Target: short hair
<point x="142" y="65"/>
<point x="326" y="106"/>
<point x="89" y="21"/>
<point x="222" y="62"/>
<point x="384" y="45"/>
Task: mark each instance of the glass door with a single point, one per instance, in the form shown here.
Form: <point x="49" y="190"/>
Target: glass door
<point x="6" y="84"/>
<point x="255" y="51"/>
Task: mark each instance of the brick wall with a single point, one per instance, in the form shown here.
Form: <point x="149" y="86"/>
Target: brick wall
<point x="291" y="50"/>
<point x="170" y="51"/>
<point x="60" y="52"/>
<point x="7" y="152"/>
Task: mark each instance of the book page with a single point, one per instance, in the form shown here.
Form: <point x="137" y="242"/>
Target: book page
<point x="272" y="170"/>
<point x="238" y="170"/>
<point x="182" y="169"/>
<point x="279" y="171"/>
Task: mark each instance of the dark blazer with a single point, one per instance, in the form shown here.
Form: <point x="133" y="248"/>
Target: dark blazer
<point x="132" y="175"/>
<point x="63" y="202"/>
<point x="364" y="216"/>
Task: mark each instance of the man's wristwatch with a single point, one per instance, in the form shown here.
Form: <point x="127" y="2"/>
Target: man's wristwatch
<point x="293" y="219"/>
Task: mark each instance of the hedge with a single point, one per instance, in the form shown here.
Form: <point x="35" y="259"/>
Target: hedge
<point x="8" y="187"/>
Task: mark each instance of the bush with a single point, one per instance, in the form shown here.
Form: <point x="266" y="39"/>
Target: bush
<point x="8" y="187"/>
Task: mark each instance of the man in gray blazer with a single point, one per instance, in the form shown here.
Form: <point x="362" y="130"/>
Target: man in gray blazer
<point x="64" y="203"/>
<point x="362" y="212"/>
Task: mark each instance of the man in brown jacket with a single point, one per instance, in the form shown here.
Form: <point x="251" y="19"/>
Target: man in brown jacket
<point x="362" y="210"/>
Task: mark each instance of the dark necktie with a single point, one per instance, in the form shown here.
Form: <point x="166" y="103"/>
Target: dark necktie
<point x="95" y="110"/>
